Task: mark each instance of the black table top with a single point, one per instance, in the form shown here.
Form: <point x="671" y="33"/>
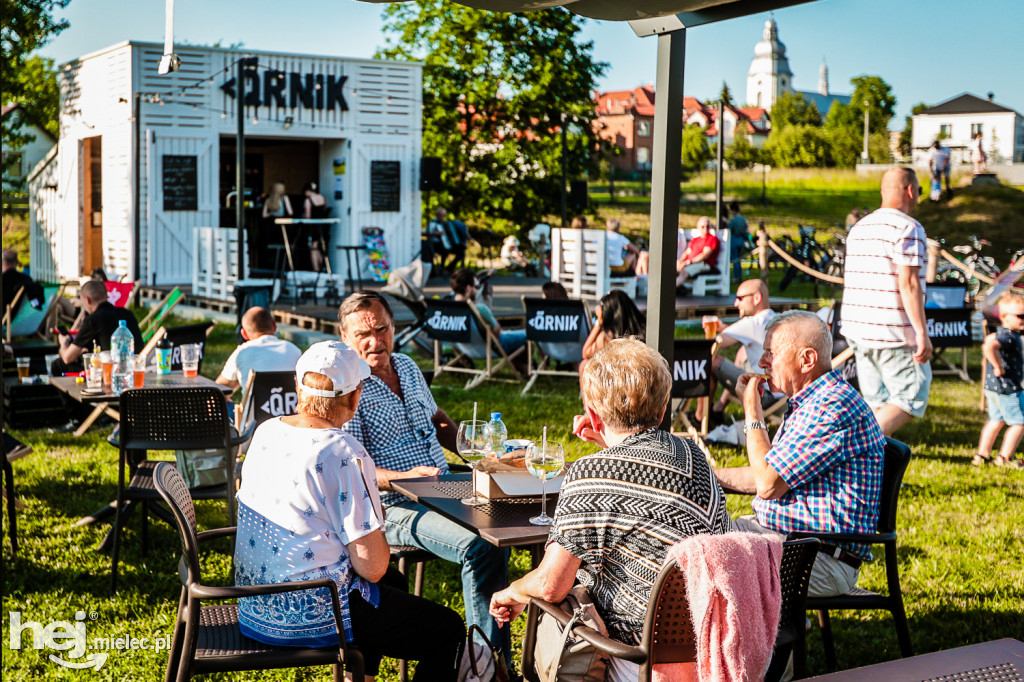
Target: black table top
<point x="1002" y="659"/>
<point x="74" y="388"/>
<point x="504" y="523"/>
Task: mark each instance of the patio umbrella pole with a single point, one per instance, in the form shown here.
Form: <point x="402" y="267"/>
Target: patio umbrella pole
<point x="668" y="141"/>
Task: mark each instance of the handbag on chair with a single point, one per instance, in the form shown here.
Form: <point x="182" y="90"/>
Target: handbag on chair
<point x="559" y="654"/>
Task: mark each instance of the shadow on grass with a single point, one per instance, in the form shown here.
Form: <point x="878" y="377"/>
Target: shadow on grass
<point x="865" y="638"/>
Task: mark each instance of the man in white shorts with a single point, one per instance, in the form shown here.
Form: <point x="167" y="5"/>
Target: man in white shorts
<point x="883" y="304"/>
<point x="755" y="312"/>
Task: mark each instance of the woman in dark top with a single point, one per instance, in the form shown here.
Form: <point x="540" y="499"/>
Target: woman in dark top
<point x="617" y="318"/>
<point x="620" y="509"/>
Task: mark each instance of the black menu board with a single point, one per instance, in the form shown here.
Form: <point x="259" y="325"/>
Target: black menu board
<point x="385" y="185"/>
<point x="181" y="183"/>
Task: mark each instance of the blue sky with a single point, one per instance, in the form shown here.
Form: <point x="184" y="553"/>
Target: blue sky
<point x="928" y="50"/>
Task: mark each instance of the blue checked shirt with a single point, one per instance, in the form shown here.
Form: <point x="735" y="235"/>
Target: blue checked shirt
<point x="398" y="433"/>
<point x="830" y="452"/>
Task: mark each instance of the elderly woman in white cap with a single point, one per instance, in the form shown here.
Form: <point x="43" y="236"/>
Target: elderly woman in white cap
<point x="305" y="511"/>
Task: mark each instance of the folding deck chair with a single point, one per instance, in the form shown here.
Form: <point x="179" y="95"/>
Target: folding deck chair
<point x="558" y="329"/>
<point x="27" y="320"/>
<point x="151" y="322"/>
<point x="405" y="284"/>
<point x="459" y="323"/>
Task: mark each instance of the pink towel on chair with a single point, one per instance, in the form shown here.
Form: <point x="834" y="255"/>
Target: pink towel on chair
<point x="735" y="595"/>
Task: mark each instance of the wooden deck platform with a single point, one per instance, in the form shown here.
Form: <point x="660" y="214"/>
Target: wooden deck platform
<point x="506" y="304"/>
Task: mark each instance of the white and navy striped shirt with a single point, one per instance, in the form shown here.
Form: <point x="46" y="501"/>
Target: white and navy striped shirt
<point x="872" y="313"/>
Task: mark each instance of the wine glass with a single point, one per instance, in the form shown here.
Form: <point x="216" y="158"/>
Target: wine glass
<point x="474" y="443"/>
<point x="544" y="460"/>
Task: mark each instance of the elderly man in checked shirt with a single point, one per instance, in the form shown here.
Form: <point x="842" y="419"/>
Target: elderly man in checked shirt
<point x="823" y="471"/>
<point x="403" y="429"/>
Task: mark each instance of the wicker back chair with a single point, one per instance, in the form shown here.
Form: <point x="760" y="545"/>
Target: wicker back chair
<point x="795" y="576"/>
<point x="207" y="638"/>
<point x="668" y="635"/>
<point x="897" y="457"/>
<point x="184" y="418"/>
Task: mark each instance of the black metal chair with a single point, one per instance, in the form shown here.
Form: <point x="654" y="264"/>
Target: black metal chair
<point x="207" y="638"/>
<point x="897" y="457"/>
<point x="186" y="418"/>
<point x="795" y="576"/>
<point x="13" y="449"/>
<point x="668" y="635"/>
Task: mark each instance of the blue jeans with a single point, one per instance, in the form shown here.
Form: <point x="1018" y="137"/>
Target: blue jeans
<point x="484" y="566"/>
<point x="512" y="340"/>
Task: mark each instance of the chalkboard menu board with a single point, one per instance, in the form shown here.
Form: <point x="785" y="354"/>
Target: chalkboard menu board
<point x="181" y="183"/>
<point x="385" y="185"/>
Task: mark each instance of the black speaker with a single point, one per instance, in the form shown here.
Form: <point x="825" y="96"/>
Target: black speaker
<point x="430" y="174"/>
<point x="578" y="195"/>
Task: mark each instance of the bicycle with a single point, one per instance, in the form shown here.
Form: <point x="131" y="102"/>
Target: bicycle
<point x="811" y="254"/>
<point x="972" y="260"/>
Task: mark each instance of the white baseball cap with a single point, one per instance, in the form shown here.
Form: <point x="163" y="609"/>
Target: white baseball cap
<point x="335" y="360"/>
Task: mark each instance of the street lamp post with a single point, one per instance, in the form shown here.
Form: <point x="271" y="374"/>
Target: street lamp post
<point x="867" y="118"/>
<point x="565" y="168"/>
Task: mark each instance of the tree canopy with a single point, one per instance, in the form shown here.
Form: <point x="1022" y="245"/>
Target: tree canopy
<point x="792" y="109"/>
<point x="28" y="80"/>
<point x="497" y="88"/>
<point x="696" y="150"/>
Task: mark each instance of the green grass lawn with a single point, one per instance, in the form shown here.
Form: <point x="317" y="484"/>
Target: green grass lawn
<point x="961" y="539"/>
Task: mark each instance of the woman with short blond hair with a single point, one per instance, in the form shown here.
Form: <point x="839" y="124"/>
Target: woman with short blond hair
<point x="620" y="509"/>
<point x="308" y="509"/>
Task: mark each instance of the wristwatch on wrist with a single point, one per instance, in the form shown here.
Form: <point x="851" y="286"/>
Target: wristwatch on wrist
<point x="754" y="426"/>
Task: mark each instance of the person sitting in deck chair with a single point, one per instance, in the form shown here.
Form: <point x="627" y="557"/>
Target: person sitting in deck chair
<point x="465" y="287"/>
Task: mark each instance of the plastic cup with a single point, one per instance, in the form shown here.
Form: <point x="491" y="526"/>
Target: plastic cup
<point x="108" y="366"/>
<point x="190" y="359"/>
<point x="50" y="359"/>
<point x="710" y="324"/>
<point x="25" y="370"/>
<point x="139" y="367"/>
<point x="93" y="371"/>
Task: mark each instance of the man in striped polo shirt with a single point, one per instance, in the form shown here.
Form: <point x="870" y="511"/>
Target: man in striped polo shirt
<point x="883" y="304"/>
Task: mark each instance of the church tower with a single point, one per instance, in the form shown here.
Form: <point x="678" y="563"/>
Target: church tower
<point x="823" y="79"/>
<point x="769" y="73"/>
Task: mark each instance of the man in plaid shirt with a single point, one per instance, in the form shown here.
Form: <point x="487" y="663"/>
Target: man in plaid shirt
<point x="823" y="471"/>
<point x="403" y="429"/>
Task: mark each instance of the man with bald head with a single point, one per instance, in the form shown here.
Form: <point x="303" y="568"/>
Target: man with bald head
<point x="101" y="321"/>
<point x="823" y="470"/>
<point x="262" y="351"/>
<point x="755" y="313"/>
<point x="883" y="304"/>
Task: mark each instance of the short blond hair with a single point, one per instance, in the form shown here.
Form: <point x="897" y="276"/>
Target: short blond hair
<point x="628" y="384"/>
<point x="1009" y="297"/>
<point x="331" y="409"/>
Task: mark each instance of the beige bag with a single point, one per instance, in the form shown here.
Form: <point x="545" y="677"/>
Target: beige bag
<point x="560" y="655"/>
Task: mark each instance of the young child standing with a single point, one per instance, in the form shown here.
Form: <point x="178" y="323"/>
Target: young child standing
<point x="1004" y="371"/>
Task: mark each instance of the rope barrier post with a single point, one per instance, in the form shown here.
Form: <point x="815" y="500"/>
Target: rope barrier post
<point x="933" y="260"/>
<point x="762" y="252"/>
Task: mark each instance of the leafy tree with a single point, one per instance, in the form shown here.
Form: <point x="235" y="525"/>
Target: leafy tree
<point x="40" y="93"/>
<point x="497" y="89"/>
<point x="877" y="94"/>
<point x="798" y="146"/>
<point x="27" y="26"/>
<point x="907" y="136"/>
<point x="847" y="146"/>
<point x="696" y="150"/>
<point x="792" y="109"/>
<point x="741" y="153"/>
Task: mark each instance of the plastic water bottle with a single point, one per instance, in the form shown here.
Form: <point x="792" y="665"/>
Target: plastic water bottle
<point x="499" y="434"/>
<point x="122" y="351"/>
